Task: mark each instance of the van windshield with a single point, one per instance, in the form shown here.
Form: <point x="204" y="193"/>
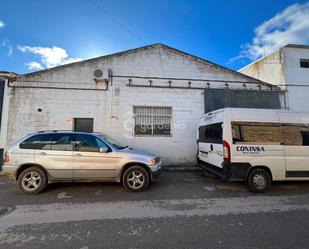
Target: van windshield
<point x="211" y="133"/>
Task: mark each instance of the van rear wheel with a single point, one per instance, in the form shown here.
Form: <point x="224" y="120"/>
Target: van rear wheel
<point x="259" y="181"/>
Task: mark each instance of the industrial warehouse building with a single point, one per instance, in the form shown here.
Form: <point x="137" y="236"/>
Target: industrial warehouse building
<point x="150" y="97"/>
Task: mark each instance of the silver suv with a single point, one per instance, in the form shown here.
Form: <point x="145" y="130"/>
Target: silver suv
<point x="59" y="156"/>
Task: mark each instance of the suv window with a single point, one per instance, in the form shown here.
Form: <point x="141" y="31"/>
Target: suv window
<point x="211" y="133"/>
<point x="89" y="143"/>
<point x="32" y="142"/>
<point x="57" y="141"/>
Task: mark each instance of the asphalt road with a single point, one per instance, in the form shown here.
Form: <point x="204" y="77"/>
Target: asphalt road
<point x="180" y="210"/>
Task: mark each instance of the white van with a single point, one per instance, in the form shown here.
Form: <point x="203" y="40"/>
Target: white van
<point x="255" y="145"/>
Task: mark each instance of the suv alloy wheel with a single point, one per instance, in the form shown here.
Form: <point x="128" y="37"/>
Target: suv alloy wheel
<point x="136" y="178"/>
<point x="32" y="180"/>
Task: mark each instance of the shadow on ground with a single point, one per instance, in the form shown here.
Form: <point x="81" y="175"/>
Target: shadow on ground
<point x="168" y="185"/>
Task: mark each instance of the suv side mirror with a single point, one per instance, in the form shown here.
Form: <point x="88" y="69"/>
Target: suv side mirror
<point x="103" y="150"/>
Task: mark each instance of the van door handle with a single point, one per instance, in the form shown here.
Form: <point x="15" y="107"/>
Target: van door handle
<point x="79" y="155"/>
<point x="211" y="147"/>
<point x="43" y="154"/>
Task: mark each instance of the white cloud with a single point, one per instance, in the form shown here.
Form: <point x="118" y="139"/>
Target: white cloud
<point x="289" y="26"/>
<point x="33" y="65"/>
<point x="7" y="45"/>
<point x="4" y="42"/>
<point x="2" y="24"/>
<point x="49" y="56"/>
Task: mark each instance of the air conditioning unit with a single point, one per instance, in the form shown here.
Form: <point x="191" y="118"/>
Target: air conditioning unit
<point x="98" y="73"/>
<point x="99" y="80"/>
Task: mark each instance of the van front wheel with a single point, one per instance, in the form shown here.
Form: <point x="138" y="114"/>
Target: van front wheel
<point x="259" y="181"/>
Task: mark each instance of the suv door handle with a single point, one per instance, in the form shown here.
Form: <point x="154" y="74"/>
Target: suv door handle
<point x="78" y="155"/>
<point x="43" y="154"/>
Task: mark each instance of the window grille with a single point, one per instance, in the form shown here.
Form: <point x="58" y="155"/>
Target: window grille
<point x="152" y="121"/>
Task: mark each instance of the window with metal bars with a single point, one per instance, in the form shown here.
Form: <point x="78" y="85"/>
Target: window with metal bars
<point x="152" y="121"/>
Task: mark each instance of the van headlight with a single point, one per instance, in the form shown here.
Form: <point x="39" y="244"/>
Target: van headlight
<point x="154" y="160"/>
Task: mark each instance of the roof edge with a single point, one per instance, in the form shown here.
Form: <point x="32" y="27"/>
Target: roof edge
<point x="216" y="65"/>
<point x="93" y="59"/>
<point x="290" y="45"/>
<point x="147" y="47"/>
<point x="259" y="59"/>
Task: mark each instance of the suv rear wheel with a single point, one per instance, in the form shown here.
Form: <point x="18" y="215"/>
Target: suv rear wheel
<point x="32" y="181"/>
<point x="135" y="179"/>
<point x="259" y="181"/>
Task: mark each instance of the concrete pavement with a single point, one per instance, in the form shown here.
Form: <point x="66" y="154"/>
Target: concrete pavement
<point x="181" y="210"/>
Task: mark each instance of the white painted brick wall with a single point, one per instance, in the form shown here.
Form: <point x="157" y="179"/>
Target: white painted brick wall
<point x="269" y="69"/>
<point x="60" y="105"/>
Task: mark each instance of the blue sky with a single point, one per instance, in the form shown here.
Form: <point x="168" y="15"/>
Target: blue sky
<point x="39" y="34"/>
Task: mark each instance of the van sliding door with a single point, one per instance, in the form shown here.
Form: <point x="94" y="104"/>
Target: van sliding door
<point x="296" y="143"/>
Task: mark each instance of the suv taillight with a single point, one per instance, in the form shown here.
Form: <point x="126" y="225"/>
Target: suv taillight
<point x="226" y="152"/>
<point x="6" y="158"/>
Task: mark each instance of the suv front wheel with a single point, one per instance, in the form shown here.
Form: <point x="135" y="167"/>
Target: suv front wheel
<point x="135" y="178"/>
<point x="32" y="181"/>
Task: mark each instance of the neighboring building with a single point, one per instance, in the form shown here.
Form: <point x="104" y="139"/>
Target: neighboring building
<point x="288" y="68"/>
<point x="4" y="109"/>
<point x="150" y="97"/>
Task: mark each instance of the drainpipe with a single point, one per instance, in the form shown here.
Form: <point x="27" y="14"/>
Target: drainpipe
<point x="110" y="80"/>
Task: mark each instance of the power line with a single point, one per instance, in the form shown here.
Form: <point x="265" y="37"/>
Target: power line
<point x="117" y="21"/>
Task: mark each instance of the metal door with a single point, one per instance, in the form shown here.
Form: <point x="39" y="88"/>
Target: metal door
<point x="83" y="124"/>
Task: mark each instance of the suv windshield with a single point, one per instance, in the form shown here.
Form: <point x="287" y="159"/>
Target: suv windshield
<point x="112" y="142"/>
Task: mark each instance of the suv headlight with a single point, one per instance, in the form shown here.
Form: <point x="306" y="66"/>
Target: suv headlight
<point x="154" y="160"/>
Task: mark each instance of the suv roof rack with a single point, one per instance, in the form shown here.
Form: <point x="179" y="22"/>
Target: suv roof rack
<point x="94" y="132"/>
<point x="53" y="131"/>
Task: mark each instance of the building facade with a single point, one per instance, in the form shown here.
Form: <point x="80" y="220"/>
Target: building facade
<point x="288" y="68"/>
<point x="150" y="97"/>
